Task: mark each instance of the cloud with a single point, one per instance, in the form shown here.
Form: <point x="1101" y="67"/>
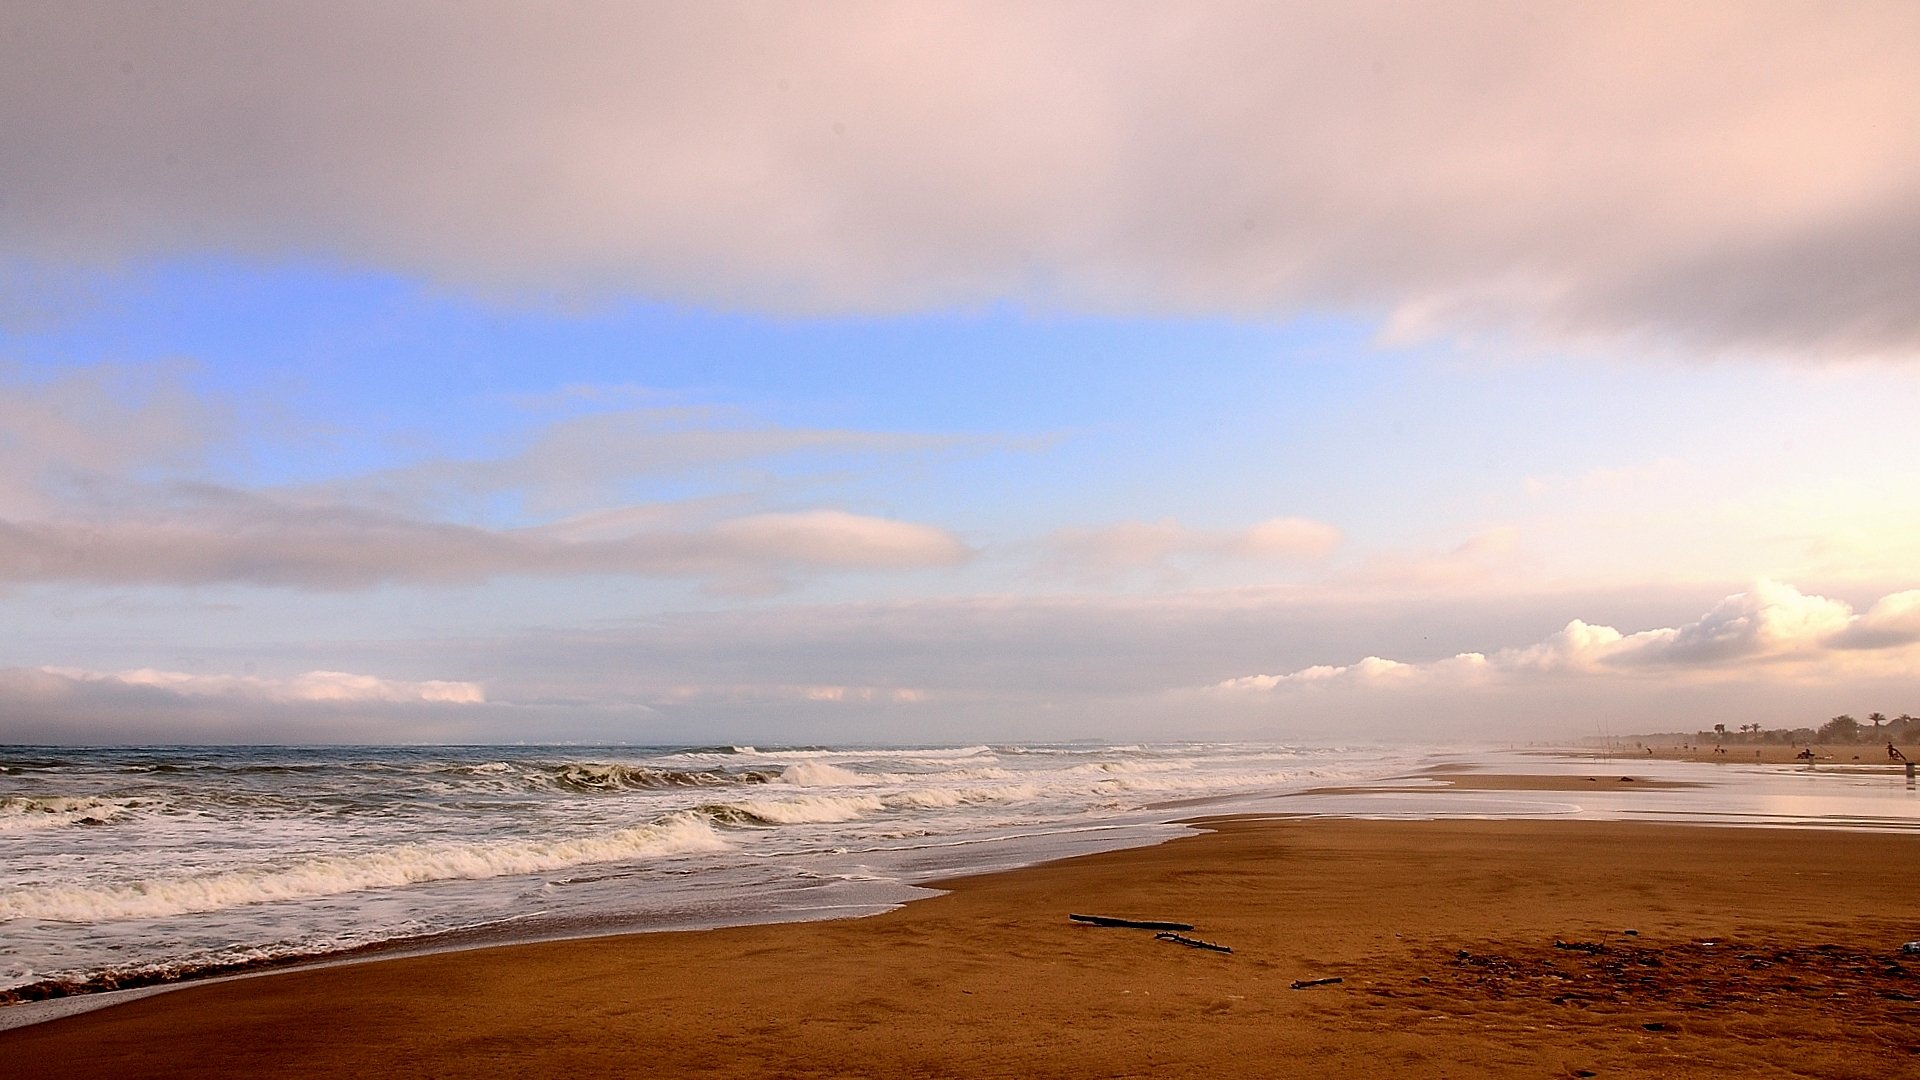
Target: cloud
<point x="830" y="538"/>
<point x="220" y="536"/>
<point x="1770" y="624"/>
<point x="313" y="686"/>
<point x="1725" y="175"/>
<point x="592" y="459"/>
<point x="55" y="705"/>
<point x="71" y="705"/>
<point x="1891" y="622"/>
<point x="62" y="435"/>
<point x="986" y="667"/>
<point x="1366" y="670"/>
<point x="762" y="694"/>
<point x="98" y="485"/>
<point x="1281" y="538"/>
<point x="1474" y="560"/>
<point x="1770" y="620"/>
<point x="1153" y="545"/>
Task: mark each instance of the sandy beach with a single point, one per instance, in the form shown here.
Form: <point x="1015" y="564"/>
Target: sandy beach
<point x="1864" y="754"/>
<point x="1463" y="947"/>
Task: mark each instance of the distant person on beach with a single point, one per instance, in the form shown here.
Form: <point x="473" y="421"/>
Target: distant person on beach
<point x="1893" y="752"/>
<point x="1805" y="755"/>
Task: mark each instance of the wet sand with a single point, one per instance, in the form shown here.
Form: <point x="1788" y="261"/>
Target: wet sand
<point x="1756" y="952"/>
<point x="1446" y="779"/>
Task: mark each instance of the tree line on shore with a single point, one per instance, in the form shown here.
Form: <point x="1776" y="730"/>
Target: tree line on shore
<point x="1840" y="729"/>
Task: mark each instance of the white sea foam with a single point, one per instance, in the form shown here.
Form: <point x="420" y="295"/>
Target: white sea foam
<point x="125" y="857"/>
<point x="1161" y="782"/>
<point x="989" y="773"/>
<point x="934" y="755"/>
<point x="821" y="774"/>
<point x="404" y="864"/>
<point x="928" y="754"/>
<point x="939" y="798"/>
<point x="595" y="776"/>
<point x="805" y="809"/>
<point x="29" y="813"/>
<point x="1134" y="767"/>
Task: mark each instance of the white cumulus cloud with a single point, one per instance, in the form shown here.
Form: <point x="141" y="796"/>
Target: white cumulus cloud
<point x="1770" y="622"/>
<point x="1892" y="621"/>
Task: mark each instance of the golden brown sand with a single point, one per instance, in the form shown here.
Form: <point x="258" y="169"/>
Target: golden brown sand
<point x="1443" y="933"/>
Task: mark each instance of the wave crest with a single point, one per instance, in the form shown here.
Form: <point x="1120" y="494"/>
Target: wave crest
<point x="821" y="774"/>
<point x="598" y="777"/>
<point x="28" y="813"/>
<point x="800" y="810"/>
<point x="407" y="864"/>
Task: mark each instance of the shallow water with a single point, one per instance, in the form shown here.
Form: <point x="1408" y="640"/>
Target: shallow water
<point x="1825" y="795"/>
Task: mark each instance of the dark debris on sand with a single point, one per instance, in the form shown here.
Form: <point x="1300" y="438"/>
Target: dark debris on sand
<point x="1704" y="975"/>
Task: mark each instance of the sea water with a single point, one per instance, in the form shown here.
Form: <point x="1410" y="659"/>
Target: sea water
<point x="123" y="866"/>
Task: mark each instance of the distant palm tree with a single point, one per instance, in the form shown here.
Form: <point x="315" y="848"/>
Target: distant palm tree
<point x="1840" y="729"/>
<point x="1878" y="719"/>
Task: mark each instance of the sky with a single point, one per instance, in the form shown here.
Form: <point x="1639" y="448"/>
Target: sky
<point x="794" y="373"/>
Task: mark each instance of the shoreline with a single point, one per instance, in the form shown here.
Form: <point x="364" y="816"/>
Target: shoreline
<point x="1286" y="892"/>
<point x="1450" y="779"/>
<point x="28" y="1012"/>
<point x="504" y="844"/>
<point x="1117" y="836"/>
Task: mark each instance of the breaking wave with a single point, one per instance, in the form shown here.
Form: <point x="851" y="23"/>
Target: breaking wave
<point x="1113" y="768"/>
<point x="596" y="777"/>
<point x="945" y="798"/>
<point x="407" y="864"/>
<point x="821" y="774"/>
<point x="800" y="810"/>
<point x="832" y="809"/>
<point x="28" y="813"/>
<point x="940" y="753"/>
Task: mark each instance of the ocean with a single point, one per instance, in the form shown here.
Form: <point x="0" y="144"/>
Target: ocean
<point x="136" y="865"/>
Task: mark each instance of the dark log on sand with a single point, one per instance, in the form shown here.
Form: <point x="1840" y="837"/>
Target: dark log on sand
<point x="1102" y="920"/>
<point x="1192" y="943"/>
<point x="1302" y="984"/>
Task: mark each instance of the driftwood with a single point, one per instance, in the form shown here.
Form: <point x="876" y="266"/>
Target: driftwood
<point x="1102" y="920"/>
<point x="1191" y="943"/>
<point x="1302" y="984"/>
